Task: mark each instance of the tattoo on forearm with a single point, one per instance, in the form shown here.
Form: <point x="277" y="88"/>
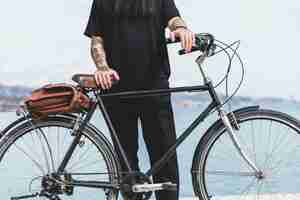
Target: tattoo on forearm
<point x="98" y="53"/>
<point x="176" y="22"/>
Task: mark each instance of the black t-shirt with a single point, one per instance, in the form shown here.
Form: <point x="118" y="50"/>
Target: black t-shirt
<point x="128" y="43"/>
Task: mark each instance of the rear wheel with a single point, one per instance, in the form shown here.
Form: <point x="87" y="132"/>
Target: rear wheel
<point x="271" y="140"/>
<point x="30" y="155"/>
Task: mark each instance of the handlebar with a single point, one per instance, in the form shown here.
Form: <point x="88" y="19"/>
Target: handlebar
<point x="204" y="43"/>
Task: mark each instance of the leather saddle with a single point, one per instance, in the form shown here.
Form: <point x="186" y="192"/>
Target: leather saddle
<point x="85" y="80"/>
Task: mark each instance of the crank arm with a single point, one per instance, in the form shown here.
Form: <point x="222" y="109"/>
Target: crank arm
<point x="25" y="196"/>
<point x="93" y="184"/>
<point x="38" y="194"/>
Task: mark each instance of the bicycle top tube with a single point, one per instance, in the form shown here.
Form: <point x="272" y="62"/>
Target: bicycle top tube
<point x="154" y="92"/>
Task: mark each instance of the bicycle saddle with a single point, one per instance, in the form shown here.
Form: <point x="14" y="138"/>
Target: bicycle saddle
<point x="85" y="80"/>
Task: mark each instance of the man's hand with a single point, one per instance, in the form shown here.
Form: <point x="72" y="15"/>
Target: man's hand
<point x="105" y="76"/>
<point x="186" y="36"/>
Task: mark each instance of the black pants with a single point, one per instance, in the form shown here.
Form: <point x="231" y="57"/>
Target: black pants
<point x="156" y="116"/>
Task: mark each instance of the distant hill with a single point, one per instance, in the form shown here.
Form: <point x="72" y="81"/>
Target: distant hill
<point x="11" y="96"/>
<point x="14" y="91"/>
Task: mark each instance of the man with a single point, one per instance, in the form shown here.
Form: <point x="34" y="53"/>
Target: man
<point x="128" y="44"/>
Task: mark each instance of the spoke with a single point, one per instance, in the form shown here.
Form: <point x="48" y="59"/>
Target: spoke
<point x="57" y="147"/>
<point x="268" y="145"/>
<point x="87" y="173"/>
<point x="87" y="164"/>
<point x="277" y="166"/>
<point x="62" y="153"/>
<point x="34" y="144"/>
<point x="248" y="187"/>
<point x="227" y="173"/>
<point x="278" y="143"/>
<point x="259" y="187"/>
<point x="81" y="156"/>
<point x="43" y="149"/>
<point x="253" y="143"/>
<point x="30" y="158"/>
<point x="244" y="143"/>
<point x="49" y="147"/>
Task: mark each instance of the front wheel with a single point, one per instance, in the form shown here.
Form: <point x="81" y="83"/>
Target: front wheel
<point x="270" y="139"/>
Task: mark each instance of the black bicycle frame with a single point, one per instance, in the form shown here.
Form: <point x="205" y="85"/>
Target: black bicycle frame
<point x="144" y="93"/>
<point x="215" y="103"/>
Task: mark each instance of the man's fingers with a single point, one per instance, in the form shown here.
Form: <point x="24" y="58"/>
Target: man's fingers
<point x="102" y="81"/>
<point x="172" y="36"/>
<point x="108" y="80"/>
<point x="97" y="79"/>
<point x="182" y="41"/>
<point x="115" y="75"/>
<point x="186" y="41"/>
<point x="190" y="40"/>
<point x="194" y="39"/>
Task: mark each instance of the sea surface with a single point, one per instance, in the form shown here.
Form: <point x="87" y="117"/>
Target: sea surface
<point x="183" y="116"/>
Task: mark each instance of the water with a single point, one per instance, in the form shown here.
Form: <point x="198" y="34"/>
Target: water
<point x="183" y="116"/>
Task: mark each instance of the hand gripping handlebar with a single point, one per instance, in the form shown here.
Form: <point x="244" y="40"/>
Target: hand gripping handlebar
<point x="204" y="43"/>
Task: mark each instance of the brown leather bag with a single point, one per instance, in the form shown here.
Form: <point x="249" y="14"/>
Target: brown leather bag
<point x="56" y="98"/>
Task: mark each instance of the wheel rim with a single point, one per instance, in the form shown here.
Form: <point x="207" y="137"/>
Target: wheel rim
<point x="269" y="143"/>
<point x="25" y="163"/>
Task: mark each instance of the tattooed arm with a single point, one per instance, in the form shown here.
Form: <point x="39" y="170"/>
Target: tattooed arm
<point x="104" y="73"/>
<point x="98" y="53"/>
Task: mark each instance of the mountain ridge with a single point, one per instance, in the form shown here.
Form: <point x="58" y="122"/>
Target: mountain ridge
<point x="11" y="96"/>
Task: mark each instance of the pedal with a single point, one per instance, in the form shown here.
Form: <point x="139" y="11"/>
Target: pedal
<point x="146" y="187"/>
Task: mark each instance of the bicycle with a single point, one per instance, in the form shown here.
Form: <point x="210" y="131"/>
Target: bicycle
<point x="233" y="159"/>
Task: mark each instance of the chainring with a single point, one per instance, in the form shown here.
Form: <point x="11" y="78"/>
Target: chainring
<point x="131" y="179"/>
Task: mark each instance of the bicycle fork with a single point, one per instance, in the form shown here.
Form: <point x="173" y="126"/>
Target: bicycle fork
<point x="227" y="123"/>
<point x="230" y="130"/>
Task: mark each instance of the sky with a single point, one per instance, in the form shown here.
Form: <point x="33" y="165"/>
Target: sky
<point x="42" y="42"/>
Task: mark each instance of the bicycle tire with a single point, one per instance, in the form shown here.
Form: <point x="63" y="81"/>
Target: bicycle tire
<point x="40" y="152"/>
<point x="219" y="172"/>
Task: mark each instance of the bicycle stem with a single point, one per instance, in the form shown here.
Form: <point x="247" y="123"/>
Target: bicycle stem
<point x="200" y="59"/>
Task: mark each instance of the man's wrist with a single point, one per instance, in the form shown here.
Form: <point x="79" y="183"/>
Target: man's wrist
<point x="181" y="27"/>
<point x="176" y="22"/>
<point x="102" y="67"/>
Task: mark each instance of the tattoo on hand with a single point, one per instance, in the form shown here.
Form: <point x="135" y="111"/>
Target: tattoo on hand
<point x="98" y="53"/>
